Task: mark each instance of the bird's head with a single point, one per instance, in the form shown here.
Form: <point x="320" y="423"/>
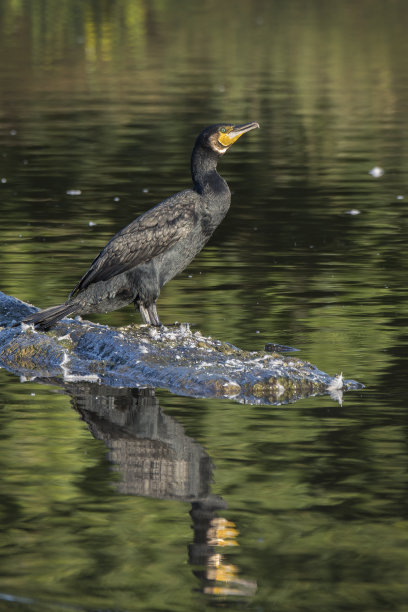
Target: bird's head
<point x="220" y="137"/>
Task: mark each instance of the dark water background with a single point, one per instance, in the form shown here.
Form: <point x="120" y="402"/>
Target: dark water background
<point x="106" y="99"/>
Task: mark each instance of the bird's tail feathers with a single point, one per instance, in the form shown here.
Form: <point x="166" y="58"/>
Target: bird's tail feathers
<point x="44" y="319"/>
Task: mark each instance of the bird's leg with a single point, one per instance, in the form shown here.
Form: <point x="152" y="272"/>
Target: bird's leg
<point x="149" y="315"/>
<point x="153" y="315"/>
<point x="144" y="313"/>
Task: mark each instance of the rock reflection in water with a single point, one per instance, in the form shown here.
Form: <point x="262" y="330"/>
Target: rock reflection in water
<point x="156" y="459"/>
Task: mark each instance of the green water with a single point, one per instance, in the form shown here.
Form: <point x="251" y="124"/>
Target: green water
<point x="306" y="505"/>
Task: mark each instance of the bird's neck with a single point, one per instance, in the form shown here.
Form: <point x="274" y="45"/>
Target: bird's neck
<point x="204" y="171"/>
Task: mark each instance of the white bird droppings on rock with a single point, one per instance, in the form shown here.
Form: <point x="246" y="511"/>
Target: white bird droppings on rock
<point x="337" y="383"/>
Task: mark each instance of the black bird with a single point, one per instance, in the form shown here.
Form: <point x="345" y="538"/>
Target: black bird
<point x="152" y="249"/>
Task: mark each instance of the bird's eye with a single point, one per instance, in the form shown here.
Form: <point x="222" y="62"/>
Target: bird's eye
<point x="223" y="130"/>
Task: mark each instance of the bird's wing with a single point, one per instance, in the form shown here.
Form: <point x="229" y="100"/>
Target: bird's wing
<point x="146" y="237"/>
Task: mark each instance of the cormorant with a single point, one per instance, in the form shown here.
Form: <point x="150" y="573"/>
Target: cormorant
<point x="152" y="249"/>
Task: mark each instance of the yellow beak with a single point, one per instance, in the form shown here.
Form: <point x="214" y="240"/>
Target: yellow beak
<point x="228" y="139"/>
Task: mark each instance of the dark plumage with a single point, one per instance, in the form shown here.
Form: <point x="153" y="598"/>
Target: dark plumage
<point x="152" y="249"/>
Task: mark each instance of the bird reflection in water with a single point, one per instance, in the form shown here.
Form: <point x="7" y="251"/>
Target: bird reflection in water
<point x="156" y="459"/>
